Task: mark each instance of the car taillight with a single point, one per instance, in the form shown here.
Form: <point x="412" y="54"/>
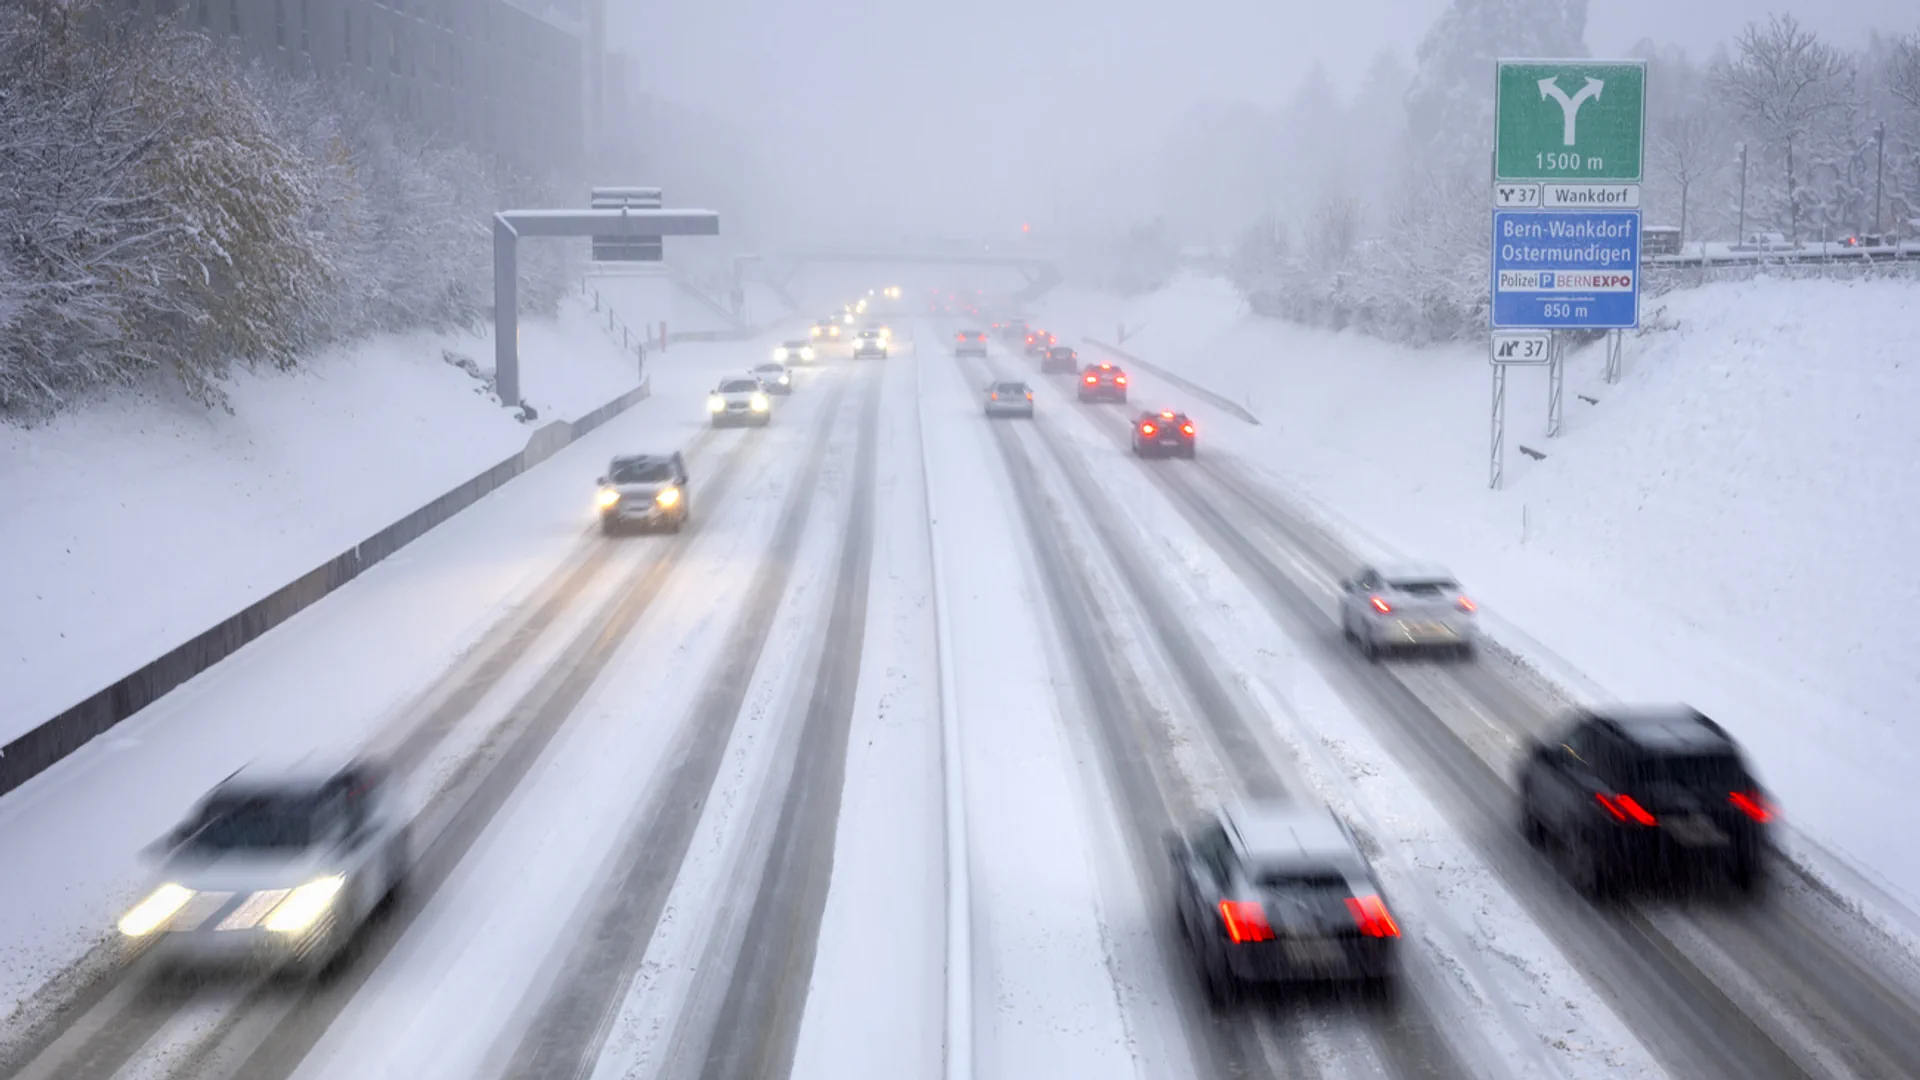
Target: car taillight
<point x="1093" y="380"/>
<point x="1753" y="804"/>
<point x="1186" y="429"/>
<point x="1029" y="395"/>
<point x="1380" y="605"/>
<point x="1369" y="913"/>
<point x="1119" y="380"/>
<point x="1371" y="916"/>
<point x="1465" y="604"/>
<point x="995" y="396"/>
<point x="1146" y="429"/>
<point x="1246" y="921"/>
<point x="1624" y="807"/>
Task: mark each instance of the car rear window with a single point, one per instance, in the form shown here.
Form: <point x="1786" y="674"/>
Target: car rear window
<point x="736" y="386"/>
<point x="641" y="472"/>
<point x="1708" y="771"/>
<point x="1303" y="882"/>
<point x="1426" y="587"/>
<point x="1011" y="388"/>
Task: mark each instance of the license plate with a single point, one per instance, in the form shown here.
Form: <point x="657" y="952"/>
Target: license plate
<point x="1315" y="955"/>
<point x="1695" y="831"/>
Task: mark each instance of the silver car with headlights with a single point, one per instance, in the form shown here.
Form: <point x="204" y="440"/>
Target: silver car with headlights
<point x="277" y="867"/>
<point x="774" y="377"/>
<point x="739" y="400"/>
<point x="1407" y="607"/>
<point x="643" y="491"/>
<point x="793" y="352"/>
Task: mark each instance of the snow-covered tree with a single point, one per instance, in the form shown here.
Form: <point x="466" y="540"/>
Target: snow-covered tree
<point x="1450" y="103"/>
<point x="1796" y="94"/>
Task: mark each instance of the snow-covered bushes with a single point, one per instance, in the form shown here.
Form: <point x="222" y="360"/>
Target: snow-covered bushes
<point x="165" y="209"/>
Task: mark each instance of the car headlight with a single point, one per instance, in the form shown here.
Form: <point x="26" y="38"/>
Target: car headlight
<point x="304" y="905"/>
<point x="783" y="380"/>
<point x="716" y="403"/>
<point x="816" y="331"/>
<point x="667" y="497"/>
<point x="836" y="331"/>
<point x="805" y="354"/>
<point x="758" y="403"/>
<point x="607" y="498"/>
<point x="152" y="913"/>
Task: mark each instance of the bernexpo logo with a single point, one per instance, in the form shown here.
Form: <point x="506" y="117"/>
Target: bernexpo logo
<point x="1580" y="279"/>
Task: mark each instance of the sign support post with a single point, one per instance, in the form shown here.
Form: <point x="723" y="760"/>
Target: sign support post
<point x="1495" y="465"/>
<point x="1556" y="380"/>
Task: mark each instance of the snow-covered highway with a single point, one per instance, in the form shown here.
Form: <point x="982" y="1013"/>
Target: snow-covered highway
<point x="679" y="803"/>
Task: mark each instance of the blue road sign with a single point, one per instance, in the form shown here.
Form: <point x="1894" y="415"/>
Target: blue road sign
<point x="1574" y="270"/>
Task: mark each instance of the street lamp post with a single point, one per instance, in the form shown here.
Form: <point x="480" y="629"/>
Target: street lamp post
<point x="1879" y="174"/>
<point x="1741" y="234"/>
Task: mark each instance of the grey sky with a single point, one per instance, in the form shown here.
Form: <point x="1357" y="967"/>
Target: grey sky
<point x="907" y="112"/>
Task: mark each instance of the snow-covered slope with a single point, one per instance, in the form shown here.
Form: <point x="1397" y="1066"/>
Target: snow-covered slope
<point x="1730" y="525"/>
<point x="139" y="521"/>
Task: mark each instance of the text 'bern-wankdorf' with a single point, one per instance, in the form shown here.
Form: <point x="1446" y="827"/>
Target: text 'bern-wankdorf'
<point x="1591" y="253"/>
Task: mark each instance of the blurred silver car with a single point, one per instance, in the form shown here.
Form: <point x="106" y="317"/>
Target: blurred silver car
<point x="1009" y="398"/>
<point x="774" y="377"/>
<point x="1407" y="607"/>
<point x="1278" y="892"/>
<point x="793" y="352"/>
<point x="276" y="867"/>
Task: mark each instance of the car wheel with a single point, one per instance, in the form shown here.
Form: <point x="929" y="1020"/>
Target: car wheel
<point x="1531" y="827"/>
<point x="396" y="873"/>
<point x="1369" y="648"/>
<point x="1583" y="869"/>
<point x="1223" y="990"/>
<point x="1749" y="877"/>
<point x="608" y="528"/>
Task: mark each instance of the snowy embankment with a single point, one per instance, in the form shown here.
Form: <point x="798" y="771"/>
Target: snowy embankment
<point x="1726" y="526"/>
<point x="138" y="521"/>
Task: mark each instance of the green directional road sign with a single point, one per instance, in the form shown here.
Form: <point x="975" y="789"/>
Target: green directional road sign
<point x="1570" y="120"/>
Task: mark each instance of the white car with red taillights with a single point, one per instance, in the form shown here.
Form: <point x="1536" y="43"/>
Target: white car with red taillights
<point x="1407" y="607"/>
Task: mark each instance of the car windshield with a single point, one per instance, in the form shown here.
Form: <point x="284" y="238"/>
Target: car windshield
<point x="258" y="822"/>
<point x="641" y="472"/>
<point x="738" y="386"/>
<point x="1063" y="354"/>
<point x="796" y="345"/>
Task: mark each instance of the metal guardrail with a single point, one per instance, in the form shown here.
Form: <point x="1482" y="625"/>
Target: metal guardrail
<point x="1822" y="253"/>
<point x="41" y="747"/>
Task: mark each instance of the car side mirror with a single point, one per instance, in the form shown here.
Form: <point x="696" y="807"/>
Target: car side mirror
<point x="601" y="481"/>
<point x="1544" y="754"/>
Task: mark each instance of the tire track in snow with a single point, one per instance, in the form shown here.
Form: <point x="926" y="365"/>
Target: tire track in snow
<point x="571" y="1026"/>
<point x="106" y="1031"/>
<point x="1653" y="989"/>
<point x="1125" y="720"/>
<point x="758" y="1026"/>
<point x="1409" y="1040"/>
<point x="1796" y="1000"/>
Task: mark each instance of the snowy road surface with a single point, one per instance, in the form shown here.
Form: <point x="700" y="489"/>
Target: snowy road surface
<point x="679" y="803"/>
